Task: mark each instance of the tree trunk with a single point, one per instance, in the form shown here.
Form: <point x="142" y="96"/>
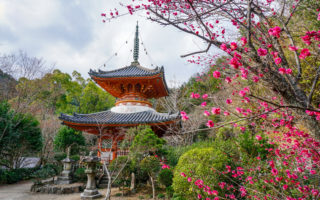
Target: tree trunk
<point x="153" y="188"/>
<point x="133" y="182"/>
<point x="108" y="195"/>
<point x="294" y="96"/>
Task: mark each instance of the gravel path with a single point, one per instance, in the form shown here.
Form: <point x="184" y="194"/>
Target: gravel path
<point x="21" y="191"/>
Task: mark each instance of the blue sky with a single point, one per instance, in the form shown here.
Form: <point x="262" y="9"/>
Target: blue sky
<point x="71" y="35"/>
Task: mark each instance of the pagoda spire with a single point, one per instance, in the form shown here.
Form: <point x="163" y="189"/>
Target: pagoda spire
<point x="136" y="45"/>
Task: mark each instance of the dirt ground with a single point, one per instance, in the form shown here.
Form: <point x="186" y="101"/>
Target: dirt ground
<point x="21" y="191"/>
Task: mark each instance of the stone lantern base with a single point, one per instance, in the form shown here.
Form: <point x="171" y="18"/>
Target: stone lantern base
<point x="90" y="194"/>
<point x="64" y="179"/>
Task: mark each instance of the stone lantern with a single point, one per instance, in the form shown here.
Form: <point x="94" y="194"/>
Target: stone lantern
<point x="91" y="191"/>
<point x="66" y="175"/>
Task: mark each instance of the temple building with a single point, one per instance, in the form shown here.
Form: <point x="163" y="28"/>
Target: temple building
<point x="132" y="86"/>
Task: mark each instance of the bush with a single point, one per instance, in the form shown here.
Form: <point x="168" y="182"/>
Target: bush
<point x="80" y="175"/>
<point x="60" y="156"/>
<point x="165" y="177"/>
<point x="122" y="162"/>
<point x="176" y="196"/>
<point x="200" y="163"/>
<point x="161" y="196"/>
<point x="48" y="170"/>
<point x="150" y="165"/>
<point x="15" y="175"/>
<point x="68" y="137"/>
<point x="169" y="191"/>
<point x="173" y="154"/>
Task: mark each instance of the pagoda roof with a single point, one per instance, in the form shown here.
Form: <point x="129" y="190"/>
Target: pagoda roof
<point x="111" y="81"/>
<point x="134" y="70"/>
<point x="109" y="118"/>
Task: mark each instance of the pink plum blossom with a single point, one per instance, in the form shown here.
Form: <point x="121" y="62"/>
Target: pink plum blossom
<point x="210" y="124"/>
<point x="278" y="60"/>
<point x="244" y="41"/>
<point x="215" y="111"/>
<point x="216" y="74"/>
<point x="228" y="80"/>
<point x="206" y="113"/>
<point x="233" y="46"/>
<point x="205" y="96"/>
<point x="282" y="70"/>
<point x="293" y="48"/>
<point x="275" y="31"/>
<point x="262" y="52"/>
<point x="258" y="137"/>
<point x="304" y="53"/>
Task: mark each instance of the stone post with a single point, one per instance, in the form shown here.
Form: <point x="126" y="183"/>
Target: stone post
<point x="91" y="191"/>
<point x="66" y="175"/>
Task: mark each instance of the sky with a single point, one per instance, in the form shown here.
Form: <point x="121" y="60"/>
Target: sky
<point x="70" y="34"/>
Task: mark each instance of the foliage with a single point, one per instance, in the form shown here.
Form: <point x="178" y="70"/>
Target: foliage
<point x="169" y="191"/>
<point x="161" y="196"/>
<point x="67" y="137"/>
<point x="202" y="163"/>
<point x="20" y="135"/>
<point x="80" y="174"/>
<point x="46" y="171"/>
<point x="146" y="142"/>
<point x="150" y="165"/>
<point x="94" y="99"/>
<point x="165" y="177"/>
<point x="124" y="164"/>
<point x="251" y="147"/>
<point x="15" y="175"/>
<point x="173" y="153"/>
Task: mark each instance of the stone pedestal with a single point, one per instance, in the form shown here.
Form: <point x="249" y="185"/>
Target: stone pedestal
<point x="66" y="175"/>
<point x="91" y="191"/>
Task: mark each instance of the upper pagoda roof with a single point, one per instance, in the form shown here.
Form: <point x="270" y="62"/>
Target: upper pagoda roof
<point x="134" y="70"/>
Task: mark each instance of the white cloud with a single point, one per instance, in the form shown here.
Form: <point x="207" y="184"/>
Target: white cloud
<point x="71" y="34"/>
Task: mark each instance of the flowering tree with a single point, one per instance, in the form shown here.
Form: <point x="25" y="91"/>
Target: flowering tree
<point x="268" y="51"/>
<point x="271" y="74"/>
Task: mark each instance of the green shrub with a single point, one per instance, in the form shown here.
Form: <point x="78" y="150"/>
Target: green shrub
<point x="251" y="148"/>
<point x="67" y="137"/>
<point x="161" y="196"/>
<point x="150" y="165"/>
<point x="118" y="195"/>
<point x="176" y="196"/>
<point x="165" y="177"/>
<point x="46" y="171"/>
<point x="199" y="163"/>
<point x="15" y="175"/>
<point x="169" y="191"/>
<point x="60" y="156"/>
<point x="75" y="157"/>
<point x="124" y="177"/>
<point x="173" y="154"/>
<point x="80" y="175"/>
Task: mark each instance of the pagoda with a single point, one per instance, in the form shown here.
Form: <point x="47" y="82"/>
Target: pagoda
<point x="132" y="86"/>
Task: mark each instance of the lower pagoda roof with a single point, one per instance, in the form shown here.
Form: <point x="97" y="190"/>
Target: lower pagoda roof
<point x="109" y="118"/>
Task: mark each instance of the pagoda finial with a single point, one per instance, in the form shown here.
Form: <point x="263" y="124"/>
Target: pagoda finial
<point x="136" y="45"/>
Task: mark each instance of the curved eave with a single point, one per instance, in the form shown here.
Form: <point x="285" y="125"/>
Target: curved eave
<point x="113" y="73"/>
<point x="109" y="118"/>
<point x="116" y="125"/>
<point x="99" y="80"/>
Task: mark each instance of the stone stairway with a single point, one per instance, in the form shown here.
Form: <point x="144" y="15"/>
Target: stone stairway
<point x="103" y="181"/>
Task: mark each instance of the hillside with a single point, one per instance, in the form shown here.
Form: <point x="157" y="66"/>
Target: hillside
<point x="7" y="86"/>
